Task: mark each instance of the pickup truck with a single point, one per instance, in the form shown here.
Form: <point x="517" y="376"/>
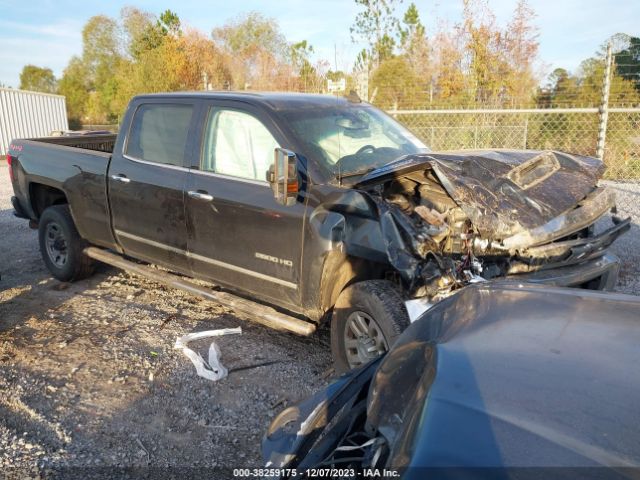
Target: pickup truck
<point x="324" y="208"/>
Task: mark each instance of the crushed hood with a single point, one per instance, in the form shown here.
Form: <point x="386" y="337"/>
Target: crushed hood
<point x="503" y="192"/>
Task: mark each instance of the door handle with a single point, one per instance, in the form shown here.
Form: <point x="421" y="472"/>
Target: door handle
<point x="120" y="178"/>
<point x="200" y="195"/>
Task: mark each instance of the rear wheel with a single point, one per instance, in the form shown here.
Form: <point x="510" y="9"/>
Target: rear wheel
<point x="367" y="319"/>
<point x="61" y="245"/>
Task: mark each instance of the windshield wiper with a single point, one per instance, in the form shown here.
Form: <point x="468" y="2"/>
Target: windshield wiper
<point x="369" y="170"/>
<point x="354" y="174"/>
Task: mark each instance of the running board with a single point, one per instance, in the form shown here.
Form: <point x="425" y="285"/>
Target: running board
<point x="252" y="311"/>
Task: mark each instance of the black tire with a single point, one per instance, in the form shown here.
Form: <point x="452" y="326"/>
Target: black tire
<point x="376" y="301"/>
<point x="61" y="246"/>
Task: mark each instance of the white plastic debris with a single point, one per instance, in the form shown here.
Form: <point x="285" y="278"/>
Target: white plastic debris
<point x="416" y="307"/>
<point x="212" y="370"/>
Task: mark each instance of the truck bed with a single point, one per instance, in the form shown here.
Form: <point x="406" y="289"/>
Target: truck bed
<point x="75" y="165"/>
<point x="97" y="143"/>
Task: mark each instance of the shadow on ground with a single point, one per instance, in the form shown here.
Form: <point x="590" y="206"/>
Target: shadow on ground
<point x="89" y="376"/>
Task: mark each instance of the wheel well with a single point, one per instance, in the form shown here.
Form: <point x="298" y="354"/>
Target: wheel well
<point x="43" y="196"/>
<point x="340" y="271"/>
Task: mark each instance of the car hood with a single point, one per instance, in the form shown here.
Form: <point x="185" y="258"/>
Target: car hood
<point x="512" y="375"/>
<point x="503" y="192"/>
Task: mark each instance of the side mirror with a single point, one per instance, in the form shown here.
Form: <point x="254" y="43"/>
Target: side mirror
<point x="283" y="176"/>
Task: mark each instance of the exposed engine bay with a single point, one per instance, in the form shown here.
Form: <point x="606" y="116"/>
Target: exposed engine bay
<point x="453" y="219"/>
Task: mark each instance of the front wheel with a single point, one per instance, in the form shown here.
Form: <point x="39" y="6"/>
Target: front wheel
<point x="61" y="245"/>
<point x="367" y="319"/>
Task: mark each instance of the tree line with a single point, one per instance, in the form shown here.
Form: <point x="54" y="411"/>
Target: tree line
<point x="475" y="62"/>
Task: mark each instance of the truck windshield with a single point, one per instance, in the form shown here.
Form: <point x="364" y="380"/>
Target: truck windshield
<point x="352" y="139"/>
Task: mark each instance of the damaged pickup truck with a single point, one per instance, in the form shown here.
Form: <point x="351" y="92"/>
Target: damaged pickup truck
<point x="319" y="208"/>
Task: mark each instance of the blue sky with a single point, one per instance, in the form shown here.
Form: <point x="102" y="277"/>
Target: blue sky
<point x="47" y="32"/>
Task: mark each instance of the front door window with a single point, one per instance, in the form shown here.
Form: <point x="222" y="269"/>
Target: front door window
<point x="237" y="144"/>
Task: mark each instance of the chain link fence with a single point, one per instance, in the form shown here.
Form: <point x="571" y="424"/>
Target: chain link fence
<point x="569" y="130"/>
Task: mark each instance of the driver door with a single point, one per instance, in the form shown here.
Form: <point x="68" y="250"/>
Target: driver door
<point x="238" y="235"/>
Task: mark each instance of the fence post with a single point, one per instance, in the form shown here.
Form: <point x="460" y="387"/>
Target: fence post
<point x="603" y="111"/>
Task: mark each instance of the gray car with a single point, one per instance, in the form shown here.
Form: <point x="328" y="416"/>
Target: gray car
<point x="501" y="380"/>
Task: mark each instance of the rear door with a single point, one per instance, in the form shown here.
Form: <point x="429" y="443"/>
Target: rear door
<point x="147" y="181"/>
<point x="238" y="234"/>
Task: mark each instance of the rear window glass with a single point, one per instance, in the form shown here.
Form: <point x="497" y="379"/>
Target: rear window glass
<point x="159" y="133"/>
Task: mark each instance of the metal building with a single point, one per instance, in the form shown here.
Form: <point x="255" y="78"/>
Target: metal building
<point x="26" y="114"/>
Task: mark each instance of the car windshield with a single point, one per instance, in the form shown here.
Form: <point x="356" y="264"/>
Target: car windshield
<point x="352" y="139"/>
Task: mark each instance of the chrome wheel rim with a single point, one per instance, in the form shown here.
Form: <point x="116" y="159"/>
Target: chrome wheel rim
<point x="56" y="245"/>
<point x="363" y="339"/>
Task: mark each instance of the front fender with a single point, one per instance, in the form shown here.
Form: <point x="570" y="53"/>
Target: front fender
<point x="342" y="240"/>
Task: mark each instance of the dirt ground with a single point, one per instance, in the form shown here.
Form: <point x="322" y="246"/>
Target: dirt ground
<point x="89" y="378"/>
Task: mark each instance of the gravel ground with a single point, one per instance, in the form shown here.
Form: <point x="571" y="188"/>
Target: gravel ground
<point x="89" y="377"/>
<point x="627" y="247"/>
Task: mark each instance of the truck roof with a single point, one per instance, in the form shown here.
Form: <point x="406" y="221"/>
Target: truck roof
<point x="273" y="100"/>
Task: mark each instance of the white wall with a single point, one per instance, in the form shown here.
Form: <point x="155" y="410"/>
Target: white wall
<point x="26" y="114"/>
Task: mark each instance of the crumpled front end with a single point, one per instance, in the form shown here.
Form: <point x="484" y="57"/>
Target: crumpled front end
<point x="458" y="218"/>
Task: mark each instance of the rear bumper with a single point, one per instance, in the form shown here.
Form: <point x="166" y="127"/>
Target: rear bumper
<point x="18" y="209"/>
<point x="597" y="274"/>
